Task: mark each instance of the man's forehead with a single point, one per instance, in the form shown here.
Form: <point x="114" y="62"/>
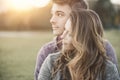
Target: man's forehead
<point x="60" y="8"/>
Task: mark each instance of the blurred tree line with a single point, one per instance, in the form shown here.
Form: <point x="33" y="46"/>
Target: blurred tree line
<point x="38" y="18"/>
<point x="35" y="19"/>
<point x="109" y="13"/>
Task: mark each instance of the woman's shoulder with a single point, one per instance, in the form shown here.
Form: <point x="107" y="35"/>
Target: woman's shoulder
<point x="50" y="60"/>
<point x="52" y="57"/>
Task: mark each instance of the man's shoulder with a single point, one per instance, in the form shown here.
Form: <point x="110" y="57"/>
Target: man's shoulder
<point x="49" y="44"/>
<point x="110" y="67"/>
<point x="111" y="71"/>
<point x="48" y="47"/>
<point x="109" y="64"/>
<point x="107" y="44"/>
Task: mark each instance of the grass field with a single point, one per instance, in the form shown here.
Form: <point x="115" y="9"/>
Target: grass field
<point x="18" y="53"/>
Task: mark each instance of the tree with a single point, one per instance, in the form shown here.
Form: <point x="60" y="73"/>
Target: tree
<point x="106" y="11"/>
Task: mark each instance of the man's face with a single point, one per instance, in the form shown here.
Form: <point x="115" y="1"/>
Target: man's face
<point x="60" y="14"/>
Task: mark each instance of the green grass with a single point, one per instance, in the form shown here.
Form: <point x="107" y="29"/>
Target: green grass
<point x="18" y="54"/>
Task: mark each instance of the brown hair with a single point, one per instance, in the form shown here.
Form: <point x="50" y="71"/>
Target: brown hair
<point x="82" y="3"/>
<point x="87" y="60"/>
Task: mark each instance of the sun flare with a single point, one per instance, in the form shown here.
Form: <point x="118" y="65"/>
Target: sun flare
<point x="26" y="4"/>
<point x="20" y="4"/>
<point x="40" y="3"/>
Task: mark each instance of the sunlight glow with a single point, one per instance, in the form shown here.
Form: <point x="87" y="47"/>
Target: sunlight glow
<point x="40" y="3"/>
<point x="26" y="4"/>
<point x="20" y="4"/>
<point x="115" y="1"/>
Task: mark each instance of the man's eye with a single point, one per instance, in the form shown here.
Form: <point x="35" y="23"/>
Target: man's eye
<point x="59" y="14"/>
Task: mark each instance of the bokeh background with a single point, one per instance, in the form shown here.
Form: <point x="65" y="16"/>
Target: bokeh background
<point x="25" y="27"/>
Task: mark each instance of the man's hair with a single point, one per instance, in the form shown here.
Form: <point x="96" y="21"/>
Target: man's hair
<point x="82" y="3"/>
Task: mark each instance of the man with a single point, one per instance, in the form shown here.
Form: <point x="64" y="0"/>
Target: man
<point x="60" y="13"/>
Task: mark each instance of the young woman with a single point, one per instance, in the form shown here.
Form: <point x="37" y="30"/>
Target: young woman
<point x="83" y="55"/>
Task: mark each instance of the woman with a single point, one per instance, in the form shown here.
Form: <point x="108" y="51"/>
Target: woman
<point x="83" y="55"/>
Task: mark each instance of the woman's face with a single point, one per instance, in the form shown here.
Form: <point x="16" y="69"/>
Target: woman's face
<point x="67" y="38"/>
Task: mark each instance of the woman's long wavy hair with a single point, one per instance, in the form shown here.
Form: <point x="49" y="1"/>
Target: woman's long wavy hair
<point x="87" y="60"/>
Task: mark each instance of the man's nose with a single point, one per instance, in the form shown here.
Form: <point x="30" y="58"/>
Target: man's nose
<point x="52" y="20"/>
<point x="64" y="34"/>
